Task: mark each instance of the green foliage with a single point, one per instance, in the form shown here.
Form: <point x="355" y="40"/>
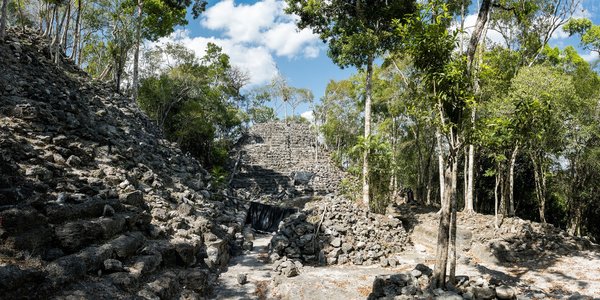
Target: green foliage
<point x="380" y="170"/>
<point x="219" y="177"/>
<point x="191" y="102"/>
<point x="357" y="32"/>
<point x="262" y="114"/>
<point x="297" y="119"/>
<point x="340" y="114"/>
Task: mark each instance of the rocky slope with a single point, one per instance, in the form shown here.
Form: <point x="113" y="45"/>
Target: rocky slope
<point x="94" y="203"/>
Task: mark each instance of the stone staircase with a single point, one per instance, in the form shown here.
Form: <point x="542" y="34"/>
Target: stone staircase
<point x="285" y="157"/>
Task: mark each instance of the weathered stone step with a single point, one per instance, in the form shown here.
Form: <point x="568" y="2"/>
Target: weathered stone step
<point x="75" y="235"/>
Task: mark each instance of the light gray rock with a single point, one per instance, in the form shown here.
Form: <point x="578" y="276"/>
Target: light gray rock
<point x="505" y="292"/>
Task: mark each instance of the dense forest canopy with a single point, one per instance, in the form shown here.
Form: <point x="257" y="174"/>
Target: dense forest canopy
<point x="435" y="110"/>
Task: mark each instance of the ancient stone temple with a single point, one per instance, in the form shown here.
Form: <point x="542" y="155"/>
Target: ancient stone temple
<point x="285" y="158"/>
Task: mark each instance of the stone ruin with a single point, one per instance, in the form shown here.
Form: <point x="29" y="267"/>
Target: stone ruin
<point x="284" y="160"/>
<point x="94" y="202"/>
<point x="335" y="230"/>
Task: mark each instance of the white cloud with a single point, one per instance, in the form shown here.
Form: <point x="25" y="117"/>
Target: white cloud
<point x="252" y="35"/>
<point x="308" y="115"/>
<point x="560" y="34"/>
<point x="262" y="23"/>
<point x="590" y="56"/>
<point x="242" y="23"/>
<point x="255" y="59"/>
<point x="286" y="40"/>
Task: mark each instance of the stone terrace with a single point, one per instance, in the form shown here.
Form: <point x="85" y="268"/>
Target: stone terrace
<point x="280" y="157"/>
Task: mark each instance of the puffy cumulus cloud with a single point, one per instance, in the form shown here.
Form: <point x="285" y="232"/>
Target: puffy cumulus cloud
<point x="252" y="35"/>
<point x="286" y="40"/>
<point x="242" y="23"/>
<point x="254" y="59"/>
<point x="262" y="23"/>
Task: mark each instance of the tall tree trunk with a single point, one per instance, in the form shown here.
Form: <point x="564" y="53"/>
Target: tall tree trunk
<point x="40" y="16"/>
<point x="136" y="53"/>
<point x="365" y="171"/>
<point x="452" y="232"/>
<point x="443" y="238"/>
<point x="66" y="28"/>
<point x="465" y="176"/>
<point x="438" y="136"/>
<point x="511" y="181"/>
<point x="469" y="206"/>
<point x="75" y="50"/>
<point x="50" y="26"/>
<point x="56" y="40"/>
<point x="429" y="190"/>
<point x="497" y="177"/>
<point x="575" y="205"/>
<point x="482" y="18"/>
<point x="3" y="17"/>
<point x="540" y="186"/>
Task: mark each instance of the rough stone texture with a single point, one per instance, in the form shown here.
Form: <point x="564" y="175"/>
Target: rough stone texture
<point x="337" y="231"/>
<point x="409" y="286"/>
<point x="92" y="198"/>
<point x="516" y="241"/>
<point x="283" y="159"/>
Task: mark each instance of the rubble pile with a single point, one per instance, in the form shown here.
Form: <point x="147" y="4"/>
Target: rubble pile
<point x="416" y="284"/>
<point x="337" y="231"/>
<point x="514" y="241"/>
<point x="94" y="202"/>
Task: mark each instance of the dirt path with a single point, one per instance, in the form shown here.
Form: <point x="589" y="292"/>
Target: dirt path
<point x="254" y="264"/>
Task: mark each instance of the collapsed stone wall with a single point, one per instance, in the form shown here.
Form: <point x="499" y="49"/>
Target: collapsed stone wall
<point x="93" y="201"/>
<point x="337" y="231"/>
<point x="416" y="285"/>
<point x="285" y="159"/>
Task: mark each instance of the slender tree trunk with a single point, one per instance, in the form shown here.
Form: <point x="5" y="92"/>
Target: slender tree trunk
<point x="441" y="257"/>
<point x="575" y="220"/>
<point x="40" y="16"/>
<point x="429" y="191"/>
<point x="136" y="54"/>
<point x="366" y="191"/>
<point x="74" y="56"/>
<point x="465" y="176"/>
<point x="476" y="36"/>
<point x="540" y="184"/>
<point x="50" y="27"/>
<point x="469" y="206"/>
<point x="511" y="181"/>
<point x="438" y="136"/>
<point x="56" y="40"/>
<point x="575" y="205"/>
<point x="3" y="17"/>
<point x="452" y="232"/>
<point x="497" y="177"/>
<point x="66" y="28"/>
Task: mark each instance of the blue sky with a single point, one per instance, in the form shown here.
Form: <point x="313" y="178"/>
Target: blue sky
<point x="262" y="40"/>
